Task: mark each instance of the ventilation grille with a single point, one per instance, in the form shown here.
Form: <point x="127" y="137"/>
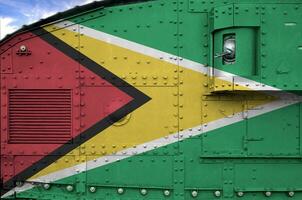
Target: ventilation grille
<point x="39" y="116"/>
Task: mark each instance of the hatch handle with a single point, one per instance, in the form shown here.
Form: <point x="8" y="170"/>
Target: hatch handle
<point x="229" y="50"/>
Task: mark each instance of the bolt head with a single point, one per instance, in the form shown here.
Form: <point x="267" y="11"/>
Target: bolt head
<point x="92" y="189"/>
<point x="240" y="194"/>
<point x="194" y="193"/>
<point x="217" y="193"/>
<point x="268" y="194"/>
<point x="120" y="190"/>
<point x="23" y="48"/>
<point x="291" y="193"/>
<point x="19" y="183"/>
<point x="46" y="186"/>
<point x="166" y="192"/>
<point x="144" y="191"/>
<point x="69" y="188"/>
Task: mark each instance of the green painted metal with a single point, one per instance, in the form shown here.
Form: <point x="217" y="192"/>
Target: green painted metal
<point x="275" y="43"/>
<point x="140" y="23"/>
<point x="281" y="42"/>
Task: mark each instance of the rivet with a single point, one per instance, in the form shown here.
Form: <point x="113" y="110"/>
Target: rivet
<point x="69" y="188"/>
<point x="194" y="193"/>
<point x="143" y="191"/>
<point x="23" y="48"/>
<point x="120" y="190"/>
<point x="46" y="186"/>
<point x="166" y="192"/>
<point x="92" y="189"/>
<point x="268" y="194"/>
<point x="217" y="193"/>
<point x="19" y="184"/>
<point x="240" y="194"/>
<point x="291" y="193"/>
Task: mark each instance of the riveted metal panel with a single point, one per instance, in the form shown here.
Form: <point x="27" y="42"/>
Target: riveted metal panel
<point x="281" y="46"/>
<point x="197" y="177"/>
<point x="6" y="62"/>
<point x="129" y="136"/>
<point x="200" y="5"/>
<point x="55" y="187"/>
<point x="220" y="110"/>
<point x="223" y="17"/>
<point x="192" y="74"/>
<point x="37" y="71"/>
<point x="7" y="169"/>
<point x="273" y="176"/>
<point x="127" y="173"/>
<point x="280" y="139"/>
<point x="247" y="14"/>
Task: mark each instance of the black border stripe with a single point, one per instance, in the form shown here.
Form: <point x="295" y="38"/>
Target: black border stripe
<point x="139" y="99"/>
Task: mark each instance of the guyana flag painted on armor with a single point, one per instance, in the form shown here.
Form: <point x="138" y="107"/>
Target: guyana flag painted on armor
<point x="135" y="100"/>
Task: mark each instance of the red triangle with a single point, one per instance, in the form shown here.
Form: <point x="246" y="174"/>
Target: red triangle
<point x="45" y="67"/>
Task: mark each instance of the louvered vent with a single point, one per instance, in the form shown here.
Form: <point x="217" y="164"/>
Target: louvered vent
<point x="39" y="116"/>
